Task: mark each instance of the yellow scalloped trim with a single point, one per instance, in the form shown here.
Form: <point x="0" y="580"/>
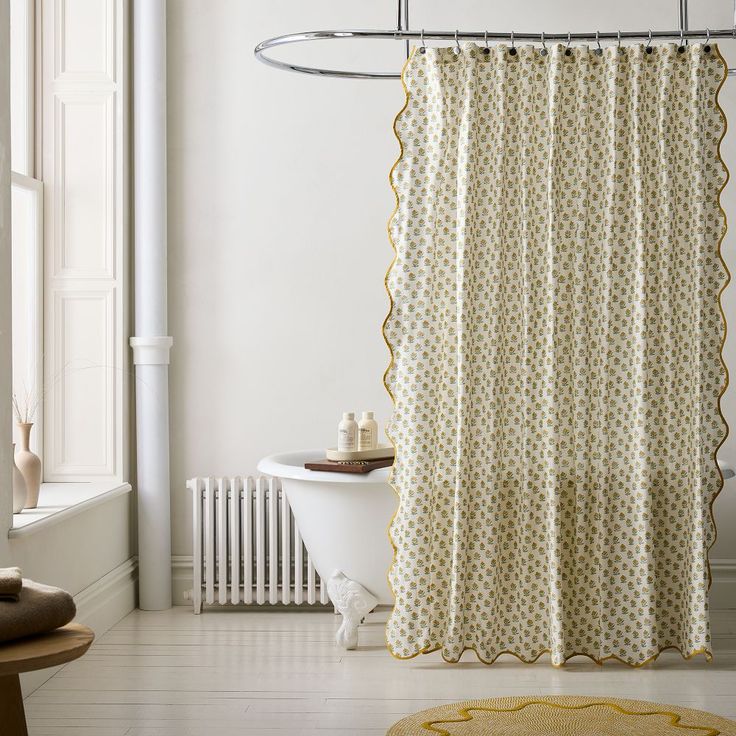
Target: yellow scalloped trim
<point x="394" y="549"/>
<point x="466" y="715"/>
<point x="720" y="307"/>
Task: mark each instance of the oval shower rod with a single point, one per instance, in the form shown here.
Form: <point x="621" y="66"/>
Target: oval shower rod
<point x="406" y="35"/>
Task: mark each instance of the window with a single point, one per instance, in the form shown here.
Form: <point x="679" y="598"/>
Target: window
<point x="27" y="222"/>
<point x="69" y="128"/>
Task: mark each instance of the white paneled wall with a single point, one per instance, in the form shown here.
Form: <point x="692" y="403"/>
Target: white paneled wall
<point x="86" y="272"/>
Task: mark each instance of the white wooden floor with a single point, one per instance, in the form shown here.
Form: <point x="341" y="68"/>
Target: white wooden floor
<point x="240" y="672"/>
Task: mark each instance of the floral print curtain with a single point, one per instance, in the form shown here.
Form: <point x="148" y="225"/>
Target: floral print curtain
<point x="556" y="338"/>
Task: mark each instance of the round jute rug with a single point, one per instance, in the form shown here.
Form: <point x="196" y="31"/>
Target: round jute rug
<point x="562" y="716"/>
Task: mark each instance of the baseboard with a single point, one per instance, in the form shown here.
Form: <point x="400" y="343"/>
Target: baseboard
<point x="102" y="604"/>
<point x="723" y="605"/>
<point x="99" y="606"/>
<point x="181" y="579"/>
<point x="722" y="592"/>
<point x="723" y="628"/>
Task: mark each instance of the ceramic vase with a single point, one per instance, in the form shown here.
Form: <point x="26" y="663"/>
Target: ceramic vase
<point x="19" y="488"/>
<point x="29" y="465"/>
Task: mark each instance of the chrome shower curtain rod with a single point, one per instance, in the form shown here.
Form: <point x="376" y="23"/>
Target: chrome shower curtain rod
<point x="454" y="36"/>
<point x="404" y="34"/>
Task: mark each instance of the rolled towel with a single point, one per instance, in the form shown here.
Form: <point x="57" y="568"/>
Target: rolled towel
<point x="10" y="583"/>
<point x="40" y="608"/>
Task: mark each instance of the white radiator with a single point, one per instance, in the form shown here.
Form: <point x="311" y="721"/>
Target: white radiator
<point x="247" y="547"/>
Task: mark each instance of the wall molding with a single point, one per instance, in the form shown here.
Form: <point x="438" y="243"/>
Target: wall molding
<point x="723" y="567"/>
<point x="88" y="311"/>
<point x="723" y="604"/>
<point x="100" y="606"/>
<point x="100" y="70"/>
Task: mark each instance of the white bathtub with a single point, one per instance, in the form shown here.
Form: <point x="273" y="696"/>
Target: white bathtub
<point x="343" y="519"/>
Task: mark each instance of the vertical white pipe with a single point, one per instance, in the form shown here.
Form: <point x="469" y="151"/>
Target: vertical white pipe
<point x="151" y="344"/>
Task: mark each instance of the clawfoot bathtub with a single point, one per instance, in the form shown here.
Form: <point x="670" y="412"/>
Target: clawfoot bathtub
<point x="343" y="519"/>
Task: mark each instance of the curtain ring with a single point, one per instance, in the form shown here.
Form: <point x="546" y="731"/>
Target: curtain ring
<point x="512" y="50"/>
<point x="706" y="48"/>
<point x="423" y="47"/>
<point x="486" y="48"/>
<point x="599" y="50"/>
<point x="568" y="51"/>
<point x="544" y="51"/>
<point x="457" y="48"/>
<point x="681" y="47"/>
<point x="649" y="48"/>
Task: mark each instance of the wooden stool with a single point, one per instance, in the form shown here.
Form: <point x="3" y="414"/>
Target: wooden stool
<point x="34" y="653"/>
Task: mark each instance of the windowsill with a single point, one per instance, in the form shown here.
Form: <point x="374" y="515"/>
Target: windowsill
<point x="59" y="501"/>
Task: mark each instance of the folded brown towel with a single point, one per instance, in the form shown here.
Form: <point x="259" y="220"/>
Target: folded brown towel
<point x="40" y="608"/>
<point x="10" y="583"/>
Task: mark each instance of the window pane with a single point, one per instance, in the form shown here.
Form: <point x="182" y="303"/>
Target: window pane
<point x="27" y="232"/>
<point x="22" y="88"/>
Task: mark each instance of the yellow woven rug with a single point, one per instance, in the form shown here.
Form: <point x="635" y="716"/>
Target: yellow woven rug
<point x="562" y="716"/>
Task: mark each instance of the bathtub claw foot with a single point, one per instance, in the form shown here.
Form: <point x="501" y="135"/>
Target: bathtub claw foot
<point x="354" y="602"/>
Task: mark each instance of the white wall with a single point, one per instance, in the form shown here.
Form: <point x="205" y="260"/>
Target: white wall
<point x="278" y="201"/>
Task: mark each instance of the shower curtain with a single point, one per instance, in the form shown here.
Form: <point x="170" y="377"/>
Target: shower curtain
<point x="556" y="336"/>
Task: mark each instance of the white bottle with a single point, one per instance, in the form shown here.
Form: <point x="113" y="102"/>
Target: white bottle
<point x="367" y="432"/>
<point x="347" y="433"/>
